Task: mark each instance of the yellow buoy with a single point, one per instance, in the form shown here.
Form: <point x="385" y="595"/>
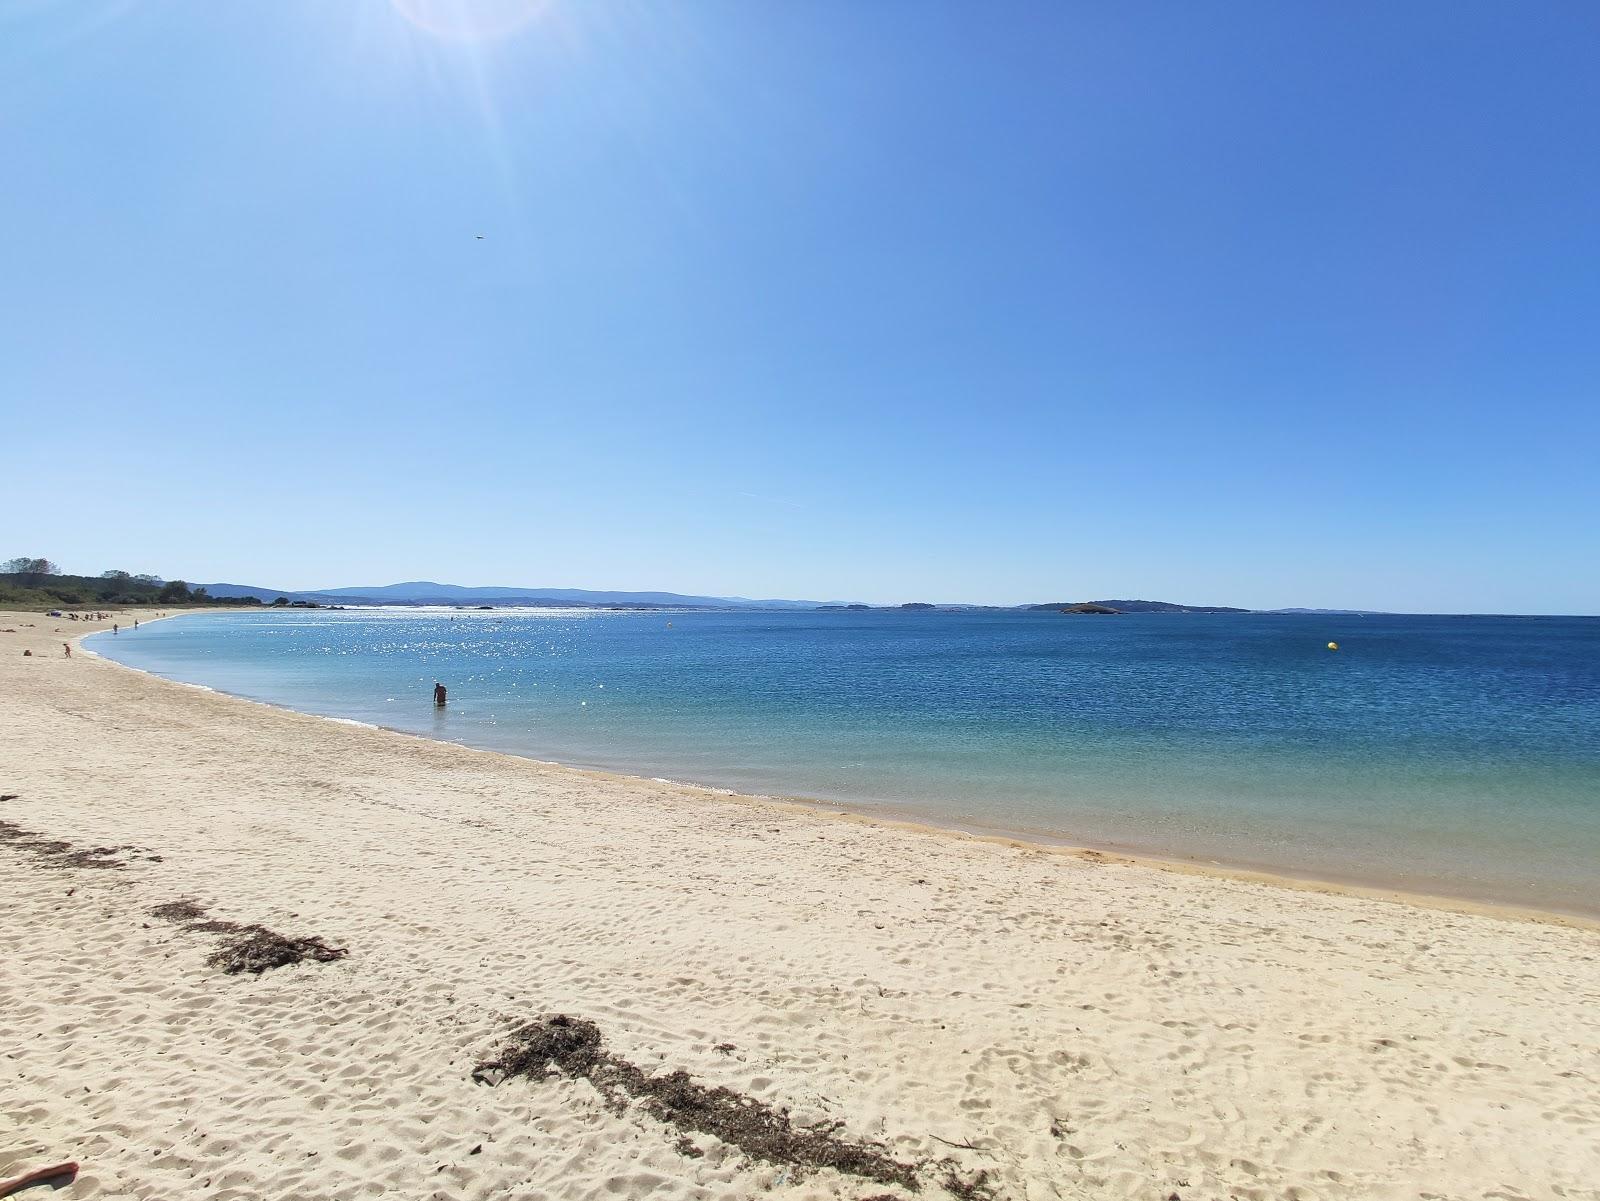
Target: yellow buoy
<point x="1333" y="646"/>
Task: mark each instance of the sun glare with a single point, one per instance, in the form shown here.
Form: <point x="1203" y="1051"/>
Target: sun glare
<point x="469" y="20"/>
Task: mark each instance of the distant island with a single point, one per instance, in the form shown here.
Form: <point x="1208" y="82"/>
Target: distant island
<point x="1132" y="606"/>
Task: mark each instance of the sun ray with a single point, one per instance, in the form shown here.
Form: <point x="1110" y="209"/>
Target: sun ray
<point x="469" y="20"/>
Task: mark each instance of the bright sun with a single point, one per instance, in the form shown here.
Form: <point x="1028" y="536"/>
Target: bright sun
<point x="469" y="19"/>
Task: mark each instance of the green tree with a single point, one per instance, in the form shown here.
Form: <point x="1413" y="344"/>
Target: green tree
<point x="33" y="567"/>
<point x="175" y="593"/>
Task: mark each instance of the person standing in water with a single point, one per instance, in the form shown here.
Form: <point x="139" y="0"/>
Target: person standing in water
<point x="439" y="694"/>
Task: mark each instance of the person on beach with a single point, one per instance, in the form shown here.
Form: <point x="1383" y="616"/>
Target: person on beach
<point x="439" y="694"/>
<point x="66" y="648"/>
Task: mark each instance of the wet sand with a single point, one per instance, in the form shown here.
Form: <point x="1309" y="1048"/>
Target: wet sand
<point x="996" y="1016"/>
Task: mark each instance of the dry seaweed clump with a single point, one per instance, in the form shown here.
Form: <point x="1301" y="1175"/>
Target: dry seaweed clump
<point x="55" y="852"/>
<point x="257" y="949"/>
<point x="968" y="1188"/>
<point x="571" y="1044"/>
<point x="179" y="911"/>
<point x="575" y="1048"/>
<point x="249" y="948"/>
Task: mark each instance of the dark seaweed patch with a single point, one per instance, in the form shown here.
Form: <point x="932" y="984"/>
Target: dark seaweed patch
<point x="99" y="857"/>
<point x="249" y="947"/>
<point x="575" y="1048"/>
<point x="257" y="949"/>
<point x="968" y="1188"/>
<point x="56" y="852"/>
<point x="45" y="848"/>
<point x="179" y="911"/>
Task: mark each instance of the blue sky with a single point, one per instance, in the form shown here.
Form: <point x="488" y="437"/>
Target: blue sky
<point x="1261" y="304"/>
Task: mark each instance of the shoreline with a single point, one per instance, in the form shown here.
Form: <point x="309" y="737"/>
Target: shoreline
<point x="1040" y="842"/>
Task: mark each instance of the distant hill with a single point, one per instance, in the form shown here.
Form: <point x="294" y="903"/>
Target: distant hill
<point x="1135" y="606"/>
<point x="1331" y="612"/>
<point x="429" y="592"/>
<point x="236" y="591"/>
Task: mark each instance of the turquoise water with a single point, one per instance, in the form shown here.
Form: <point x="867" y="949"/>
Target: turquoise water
<point x="1446" y="754"/>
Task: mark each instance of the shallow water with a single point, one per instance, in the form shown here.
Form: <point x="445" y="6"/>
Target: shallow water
<point x="1445" y="754"/>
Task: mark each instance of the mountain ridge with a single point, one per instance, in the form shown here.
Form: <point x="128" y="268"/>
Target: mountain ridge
<point x="432" y="592"/>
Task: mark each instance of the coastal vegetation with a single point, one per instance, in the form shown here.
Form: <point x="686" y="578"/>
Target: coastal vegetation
<point x="30" y="583"/>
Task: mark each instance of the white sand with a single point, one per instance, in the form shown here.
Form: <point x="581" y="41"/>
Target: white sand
<point x="1090" y="1029"/>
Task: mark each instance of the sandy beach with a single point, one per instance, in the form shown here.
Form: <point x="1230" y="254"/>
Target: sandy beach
<point x="941" y="1015"/>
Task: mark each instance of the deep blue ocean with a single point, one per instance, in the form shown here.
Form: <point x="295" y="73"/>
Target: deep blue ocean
<point x="1446" y="754"/>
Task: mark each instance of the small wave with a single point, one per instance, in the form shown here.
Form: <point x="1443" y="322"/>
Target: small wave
<point x="698" y="787"/>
